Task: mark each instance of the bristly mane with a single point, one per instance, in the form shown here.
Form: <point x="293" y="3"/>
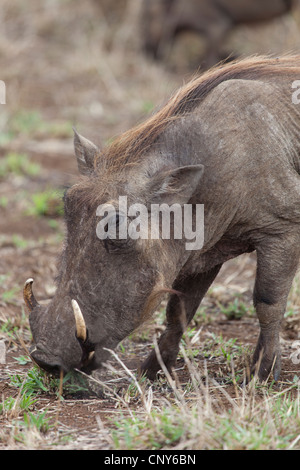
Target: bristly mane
<point x="131" y="145"/>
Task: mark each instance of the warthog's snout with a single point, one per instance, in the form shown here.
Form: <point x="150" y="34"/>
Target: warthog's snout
<point x="45" y="358"/>
<point x="46" y="361"/>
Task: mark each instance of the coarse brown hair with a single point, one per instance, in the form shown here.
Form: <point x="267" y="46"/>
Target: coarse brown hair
<point x="131" y="145"/>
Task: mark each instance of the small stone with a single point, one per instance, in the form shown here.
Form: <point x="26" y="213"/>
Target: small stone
<point x="2" y="352"/>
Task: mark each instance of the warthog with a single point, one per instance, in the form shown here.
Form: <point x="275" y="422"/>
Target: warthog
<point x="229" y="140"/>
<point x="163" y="20"/>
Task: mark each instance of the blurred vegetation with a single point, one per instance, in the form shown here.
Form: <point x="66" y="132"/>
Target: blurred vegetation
<point x="18" y="164"/>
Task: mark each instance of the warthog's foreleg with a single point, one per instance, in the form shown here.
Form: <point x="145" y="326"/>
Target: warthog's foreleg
<point x="277" y="261"/>
<point x="194" y="289"/>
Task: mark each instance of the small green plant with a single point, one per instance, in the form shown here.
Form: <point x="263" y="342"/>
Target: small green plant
<point x="22" y="360"/>
<point x="12" y="325"/>
<point x="38" y="381"/>
<point x="192" y="350"/>
<point x="74" y="383"/>
<point x="147" y="107"/>
<point x="24" y="122"/>
<point x="31" y="429"/>
<point x="23" y="404"/>
<point x="18" y="241"/>
<point x="9" y="295"/>
<point x="163" y="428"/>
<point x="202" y="315"/>
<point x="46" y="203"/>
<point x="37" y="421"/>
<point x="34" y="383"/>
<point x="31" y="122"/>
<point x="53" y="224"/>
<point x="228" y="352"/>
<point x="235" y="310"/>
<point x="3" y="201"/>
<point x="18" y="164"/>
<point x="7" y="405"/>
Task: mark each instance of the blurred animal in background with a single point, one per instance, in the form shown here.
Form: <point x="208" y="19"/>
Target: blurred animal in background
<point x="163" y="20"/>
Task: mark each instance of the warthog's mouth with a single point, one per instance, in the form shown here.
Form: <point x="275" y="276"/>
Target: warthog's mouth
<point x="44" y="358"/>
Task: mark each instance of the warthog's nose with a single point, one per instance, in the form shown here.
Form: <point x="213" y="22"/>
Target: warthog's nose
<point x="48" y="364"/>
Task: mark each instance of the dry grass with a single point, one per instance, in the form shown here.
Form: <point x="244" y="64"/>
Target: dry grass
<point x="202" y="414"/>
<point x="75" y="61"/>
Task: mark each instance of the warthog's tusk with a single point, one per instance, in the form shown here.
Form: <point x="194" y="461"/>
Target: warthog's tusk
<point x="29" y="298"/>
<point x="79" y="320"/>
<point x="91" y="355"/>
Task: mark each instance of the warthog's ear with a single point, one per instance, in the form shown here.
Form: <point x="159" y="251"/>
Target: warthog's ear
<point x="176" y="185"/>
<point x="85" y="152"/>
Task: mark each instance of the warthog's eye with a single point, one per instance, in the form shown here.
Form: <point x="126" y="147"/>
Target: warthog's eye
<point x="116" y="234"/>
<point x="115" y="226"/>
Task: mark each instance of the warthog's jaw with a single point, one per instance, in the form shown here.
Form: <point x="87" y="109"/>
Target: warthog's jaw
<point x="44" y="358"/>
<point x="54" y="364"/>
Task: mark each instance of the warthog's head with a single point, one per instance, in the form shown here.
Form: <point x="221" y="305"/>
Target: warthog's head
<point x="106" y="287"/>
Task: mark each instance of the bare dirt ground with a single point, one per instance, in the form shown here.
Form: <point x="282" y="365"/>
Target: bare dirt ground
<point x="78" y="63"/>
